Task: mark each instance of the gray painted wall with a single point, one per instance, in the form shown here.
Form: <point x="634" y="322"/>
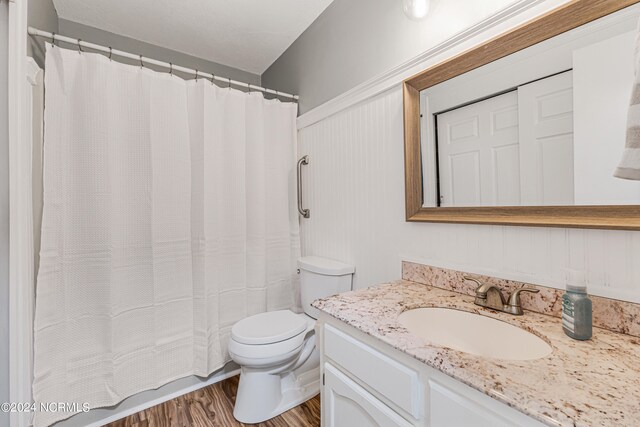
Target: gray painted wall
<point x="95" y="35"/>
<point x="350" y="42"/>
<point x="353" y="41"/>
<point x="4" y="214"/>
<point x="42" y="15"/>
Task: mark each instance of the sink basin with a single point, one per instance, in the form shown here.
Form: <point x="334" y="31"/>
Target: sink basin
<point x="474" y="334"/>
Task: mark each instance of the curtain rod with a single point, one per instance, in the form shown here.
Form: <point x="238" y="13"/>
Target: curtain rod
<point x="143" y="59"/>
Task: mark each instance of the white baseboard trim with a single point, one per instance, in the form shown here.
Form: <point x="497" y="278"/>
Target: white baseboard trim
<point x="221" y="375"/>
<point x="511" y="16"/>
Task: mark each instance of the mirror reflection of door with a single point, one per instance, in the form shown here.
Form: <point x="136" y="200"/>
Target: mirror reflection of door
<point x="546" y="141"/>
<point x="478" y="153"/>
<point x="512" y="149"/>
<point x="545" y="126"/>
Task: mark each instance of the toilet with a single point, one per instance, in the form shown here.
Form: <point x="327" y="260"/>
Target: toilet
<point x="280" y="364"/>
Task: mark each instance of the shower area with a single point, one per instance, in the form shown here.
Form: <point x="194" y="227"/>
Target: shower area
<point x="157" y="208"/>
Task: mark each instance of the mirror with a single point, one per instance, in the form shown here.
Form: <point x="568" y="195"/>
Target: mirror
<point x="530" y="127"/>
<point x="544" y="126"/>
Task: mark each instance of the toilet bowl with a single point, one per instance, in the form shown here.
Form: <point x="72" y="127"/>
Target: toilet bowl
<point x="280" y="364"/>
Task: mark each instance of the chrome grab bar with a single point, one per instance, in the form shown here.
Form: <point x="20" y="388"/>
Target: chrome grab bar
<point x="304" y="160"/>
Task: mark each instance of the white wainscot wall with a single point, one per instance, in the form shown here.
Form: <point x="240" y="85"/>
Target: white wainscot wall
<point x="354" y="186"/>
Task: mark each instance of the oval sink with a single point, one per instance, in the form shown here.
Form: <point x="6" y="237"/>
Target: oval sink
<point x="474" y="334"/>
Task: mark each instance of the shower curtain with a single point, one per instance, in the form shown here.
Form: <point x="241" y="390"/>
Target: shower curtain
<point x="169" y="214"/>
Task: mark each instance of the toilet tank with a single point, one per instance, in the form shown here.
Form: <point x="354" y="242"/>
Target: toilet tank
<point x="322" y="277"/>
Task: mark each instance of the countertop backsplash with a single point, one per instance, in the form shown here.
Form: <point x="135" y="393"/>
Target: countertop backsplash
<point x="610" y="314"/>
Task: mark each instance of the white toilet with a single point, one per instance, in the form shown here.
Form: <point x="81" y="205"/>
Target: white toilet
<point x="276" y="350"/>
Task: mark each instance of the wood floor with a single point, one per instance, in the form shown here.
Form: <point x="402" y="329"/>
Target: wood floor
<point x="213" y="406"/>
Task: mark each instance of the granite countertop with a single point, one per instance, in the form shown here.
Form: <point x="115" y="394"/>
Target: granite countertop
<point x="581" y="383"/>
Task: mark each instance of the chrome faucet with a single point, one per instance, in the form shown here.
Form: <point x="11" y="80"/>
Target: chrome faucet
<point x="490" y="296"/>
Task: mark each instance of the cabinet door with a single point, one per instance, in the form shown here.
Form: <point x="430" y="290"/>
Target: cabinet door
<point x="346" y="404"/>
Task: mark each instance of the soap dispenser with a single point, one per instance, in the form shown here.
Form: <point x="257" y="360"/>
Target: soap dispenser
<point x="576" y="308"/>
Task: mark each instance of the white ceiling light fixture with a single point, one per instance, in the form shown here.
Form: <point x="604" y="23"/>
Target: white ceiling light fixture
<point x="415" y="10"/>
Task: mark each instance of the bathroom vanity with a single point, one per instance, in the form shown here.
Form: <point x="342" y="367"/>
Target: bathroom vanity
<point x="368" y="384"/>
<point x="378" y="373"/>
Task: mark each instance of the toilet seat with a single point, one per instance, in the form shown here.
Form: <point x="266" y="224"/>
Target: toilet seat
<point x="269" y="338"/>
<point x="266" y="351"/>
<point x="268" y="328"/>
<point x="273" y="359"/>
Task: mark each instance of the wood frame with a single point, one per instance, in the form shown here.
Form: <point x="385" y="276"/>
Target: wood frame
<point x="565" y="18"/>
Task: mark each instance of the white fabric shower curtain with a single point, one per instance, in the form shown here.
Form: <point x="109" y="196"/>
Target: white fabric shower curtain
<point x="169" y="214"/>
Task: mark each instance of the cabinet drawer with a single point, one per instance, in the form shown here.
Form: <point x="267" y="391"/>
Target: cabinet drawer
<point x="349" y="405"/>
<point x="391" y="379"/>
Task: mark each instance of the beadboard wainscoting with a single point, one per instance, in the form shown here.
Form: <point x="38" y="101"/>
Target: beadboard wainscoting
<point x="354" y="186"/>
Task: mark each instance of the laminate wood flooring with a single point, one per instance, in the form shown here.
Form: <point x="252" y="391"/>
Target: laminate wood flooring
<point x="212" y="406"/>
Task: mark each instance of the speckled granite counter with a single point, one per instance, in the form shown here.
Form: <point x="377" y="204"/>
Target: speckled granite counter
<point x="591" y="383"/>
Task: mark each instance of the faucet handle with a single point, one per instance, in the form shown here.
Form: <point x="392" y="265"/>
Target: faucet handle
<point x="514" y="299"/>
<point x="480" y="291"/>
<point x="473" y="279"/>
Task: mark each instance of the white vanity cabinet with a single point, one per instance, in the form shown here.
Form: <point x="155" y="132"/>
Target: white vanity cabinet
<point x="348" y="404"/>
<point x="368" y="383"/>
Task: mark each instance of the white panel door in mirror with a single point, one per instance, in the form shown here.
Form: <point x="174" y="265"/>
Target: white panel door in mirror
<point x="546" y="141"/>
<point x="478" y="153"/>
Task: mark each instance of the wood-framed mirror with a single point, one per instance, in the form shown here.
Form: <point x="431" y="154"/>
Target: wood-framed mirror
<point x="429" y="194"/>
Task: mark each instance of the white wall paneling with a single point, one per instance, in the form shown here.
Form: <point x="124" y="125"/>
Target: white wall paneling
<point x="355" y="188"/>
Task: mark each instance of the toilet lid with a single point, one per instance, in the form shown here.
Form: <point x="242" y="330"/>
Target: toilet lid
<point x="268" y="328"/>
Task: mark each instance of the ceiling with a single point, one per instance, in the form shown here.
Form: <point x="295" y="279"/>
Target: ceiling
<point x="245" y="34"/>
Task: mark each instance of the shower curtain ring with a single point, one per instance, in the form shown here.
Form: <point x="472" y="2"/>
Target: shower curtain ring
<point x="53" y="39"/>
<point x="79" y="46"/>
<point x="229" y="87"/>
<point x="170" y="69"/>
<point x="213" y="76"/>
<point x="196" y="75"/>
<point x="141" y="64"/>
<point x="110" y="53"/>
